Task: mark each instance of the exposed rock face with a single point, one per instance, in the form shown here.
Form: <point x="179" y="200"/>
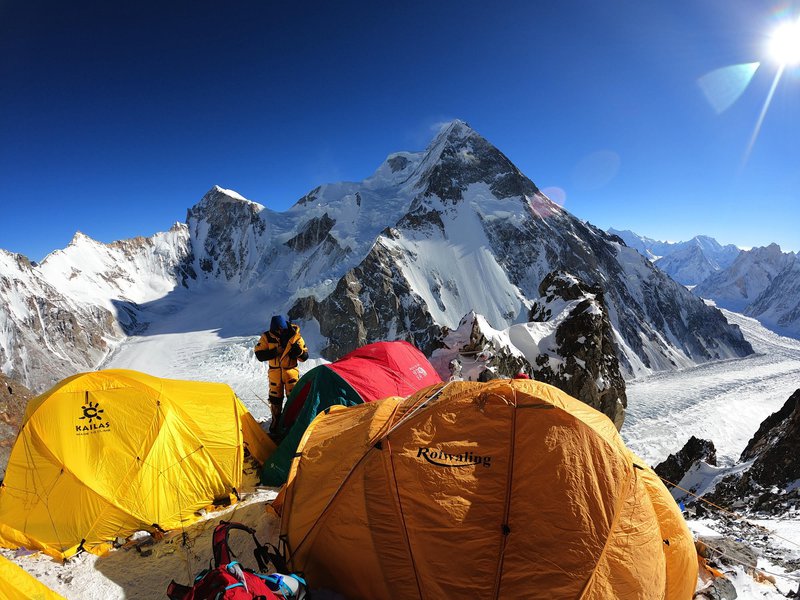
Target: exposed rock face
<point x="225" y="229"/>
<point x="568" y="343"/>
<point x="676" y="465"/>
<point x="372" y="302"/>
<point x="466" y="159"/>
<point x="775" y="447"/>
<point x="14" y="398"/>
<point x="585" y="340"/>
<point x="771" y="483"/>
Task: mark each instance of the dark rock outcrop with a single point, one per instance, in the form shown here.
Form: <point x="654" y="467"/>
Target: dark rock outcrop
<point x="676" y="465"/>
<point x="590" y="369"/>
<point x="578" y="355"/>
<point x="769" y="485"/>
<point x="372" y="302"/>
<point x="776" y="446"/>
<point x="14" y="398"/>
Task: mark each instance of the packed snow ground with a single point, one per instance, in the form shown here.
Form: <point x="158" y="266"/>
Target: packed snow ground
<point x="724" y="402"/>
<point x="186" y="346"/>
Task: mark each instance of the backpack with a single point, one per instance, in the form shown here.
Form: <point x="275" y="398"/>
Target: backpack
<point x="228" y="580"/>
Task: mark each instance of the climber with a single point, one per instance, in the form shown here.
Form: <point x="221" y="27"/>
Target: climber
<point x="283" y="347"/>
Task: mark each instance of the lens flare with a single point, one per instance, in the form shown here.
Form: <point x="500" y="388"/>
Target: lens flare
<point x="784" y="44"/>
<point x="722" y="87"/>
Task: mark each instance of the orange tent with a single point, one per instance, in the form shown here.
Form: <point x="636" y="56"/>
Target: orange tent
<point x="506" y="489"/>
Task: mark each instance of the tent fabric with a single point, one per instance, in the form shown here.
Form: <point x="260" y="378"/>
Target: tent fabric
<point x="386" y="369"/>
<point x="505" y="489"/>
<point x="369" y="373"/>
<point x="124" y="451"/>
<point x="16" y="583"/>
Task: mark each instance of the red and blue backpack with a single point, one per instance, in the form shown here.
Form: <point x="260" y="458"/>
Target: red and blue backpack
<point x="229" y="580"/>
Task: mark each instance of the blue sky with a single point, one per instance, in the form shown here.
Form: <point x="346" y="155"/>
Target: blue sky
<point x="117" y="117"/>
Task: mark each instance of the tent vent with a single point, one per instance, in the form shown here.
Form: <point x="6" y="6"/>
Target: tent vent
<point x="378" y="446"/>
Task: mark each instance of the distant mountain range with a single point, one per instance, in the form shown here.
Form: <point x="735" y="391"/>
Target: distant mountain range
<point x="688" y="262"/>
<point x="761" y="282"/>
<point x="430" y="237"/>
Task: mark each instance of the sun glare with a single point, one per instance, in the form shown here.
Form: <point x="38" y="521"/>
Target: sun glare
<point x="784" y="45"/>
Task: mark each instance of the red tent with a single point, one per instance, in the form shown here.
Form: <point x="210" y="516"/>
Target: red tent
<point x="386" y="369"/>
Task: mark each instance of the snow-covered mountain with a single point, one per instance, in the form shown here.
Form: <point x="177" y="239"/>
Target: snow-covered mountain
<point x="404" y="254"/>
<point x="689" y="265"/>
<point x="778" y="306"/>
<point x="687" y="262"/>
<point x="478" y="235"/>
<point x="46" y="335"/>
<point x="763" y="283"/>
<point x="66" y="314"/>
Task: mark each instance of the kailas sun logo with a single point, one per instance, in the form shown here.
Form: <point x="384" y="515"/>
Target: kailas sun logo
<point x="93" y="419"/>
<point x="92" y="412"/>
<point x="440" y="458"/>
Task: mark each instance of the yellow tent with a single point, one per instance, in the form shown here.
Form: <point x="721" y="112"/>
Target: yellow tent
<point x="104" y="454"/>
<point x="506" y="489"/>
<point x="17" y="584"/>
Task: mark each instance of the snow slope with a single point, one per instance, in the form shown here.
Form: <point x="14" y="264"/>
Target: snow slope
<point x="209" y="341"/>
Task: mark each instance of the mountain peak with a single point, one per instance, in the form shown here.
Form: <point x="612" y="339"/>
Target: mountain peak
<point x="453" y="132"/>
<point x="81" y="237"/>
<point x="219" y="199"/>
<point x="220" y="194"/>
<point x="456" y="129"/>
<point x="459" y="157"/>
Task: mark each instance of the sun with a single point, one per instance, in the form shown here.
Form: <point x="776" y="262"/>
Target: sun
<point x="784" y="43"/>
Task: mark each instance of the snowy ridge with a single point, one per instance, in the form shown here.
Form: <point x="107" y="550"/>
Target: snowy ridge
<point x="689" y="262"/>
<point x="763" y="283"/>
<point x="429" y="237"/>
<point x="778" y="306"/>
<point x="136" y="270"/>
<point x="749" y="275"/>
<point x="45" y="332"/>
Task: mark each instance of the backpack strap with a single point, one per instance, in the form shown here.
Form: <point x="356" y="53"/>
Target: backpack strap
<point x="222" y="551"/>
<point x="268" y="554"/>
<point x="177" y="591"/>
<point x="265" y="554"/>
